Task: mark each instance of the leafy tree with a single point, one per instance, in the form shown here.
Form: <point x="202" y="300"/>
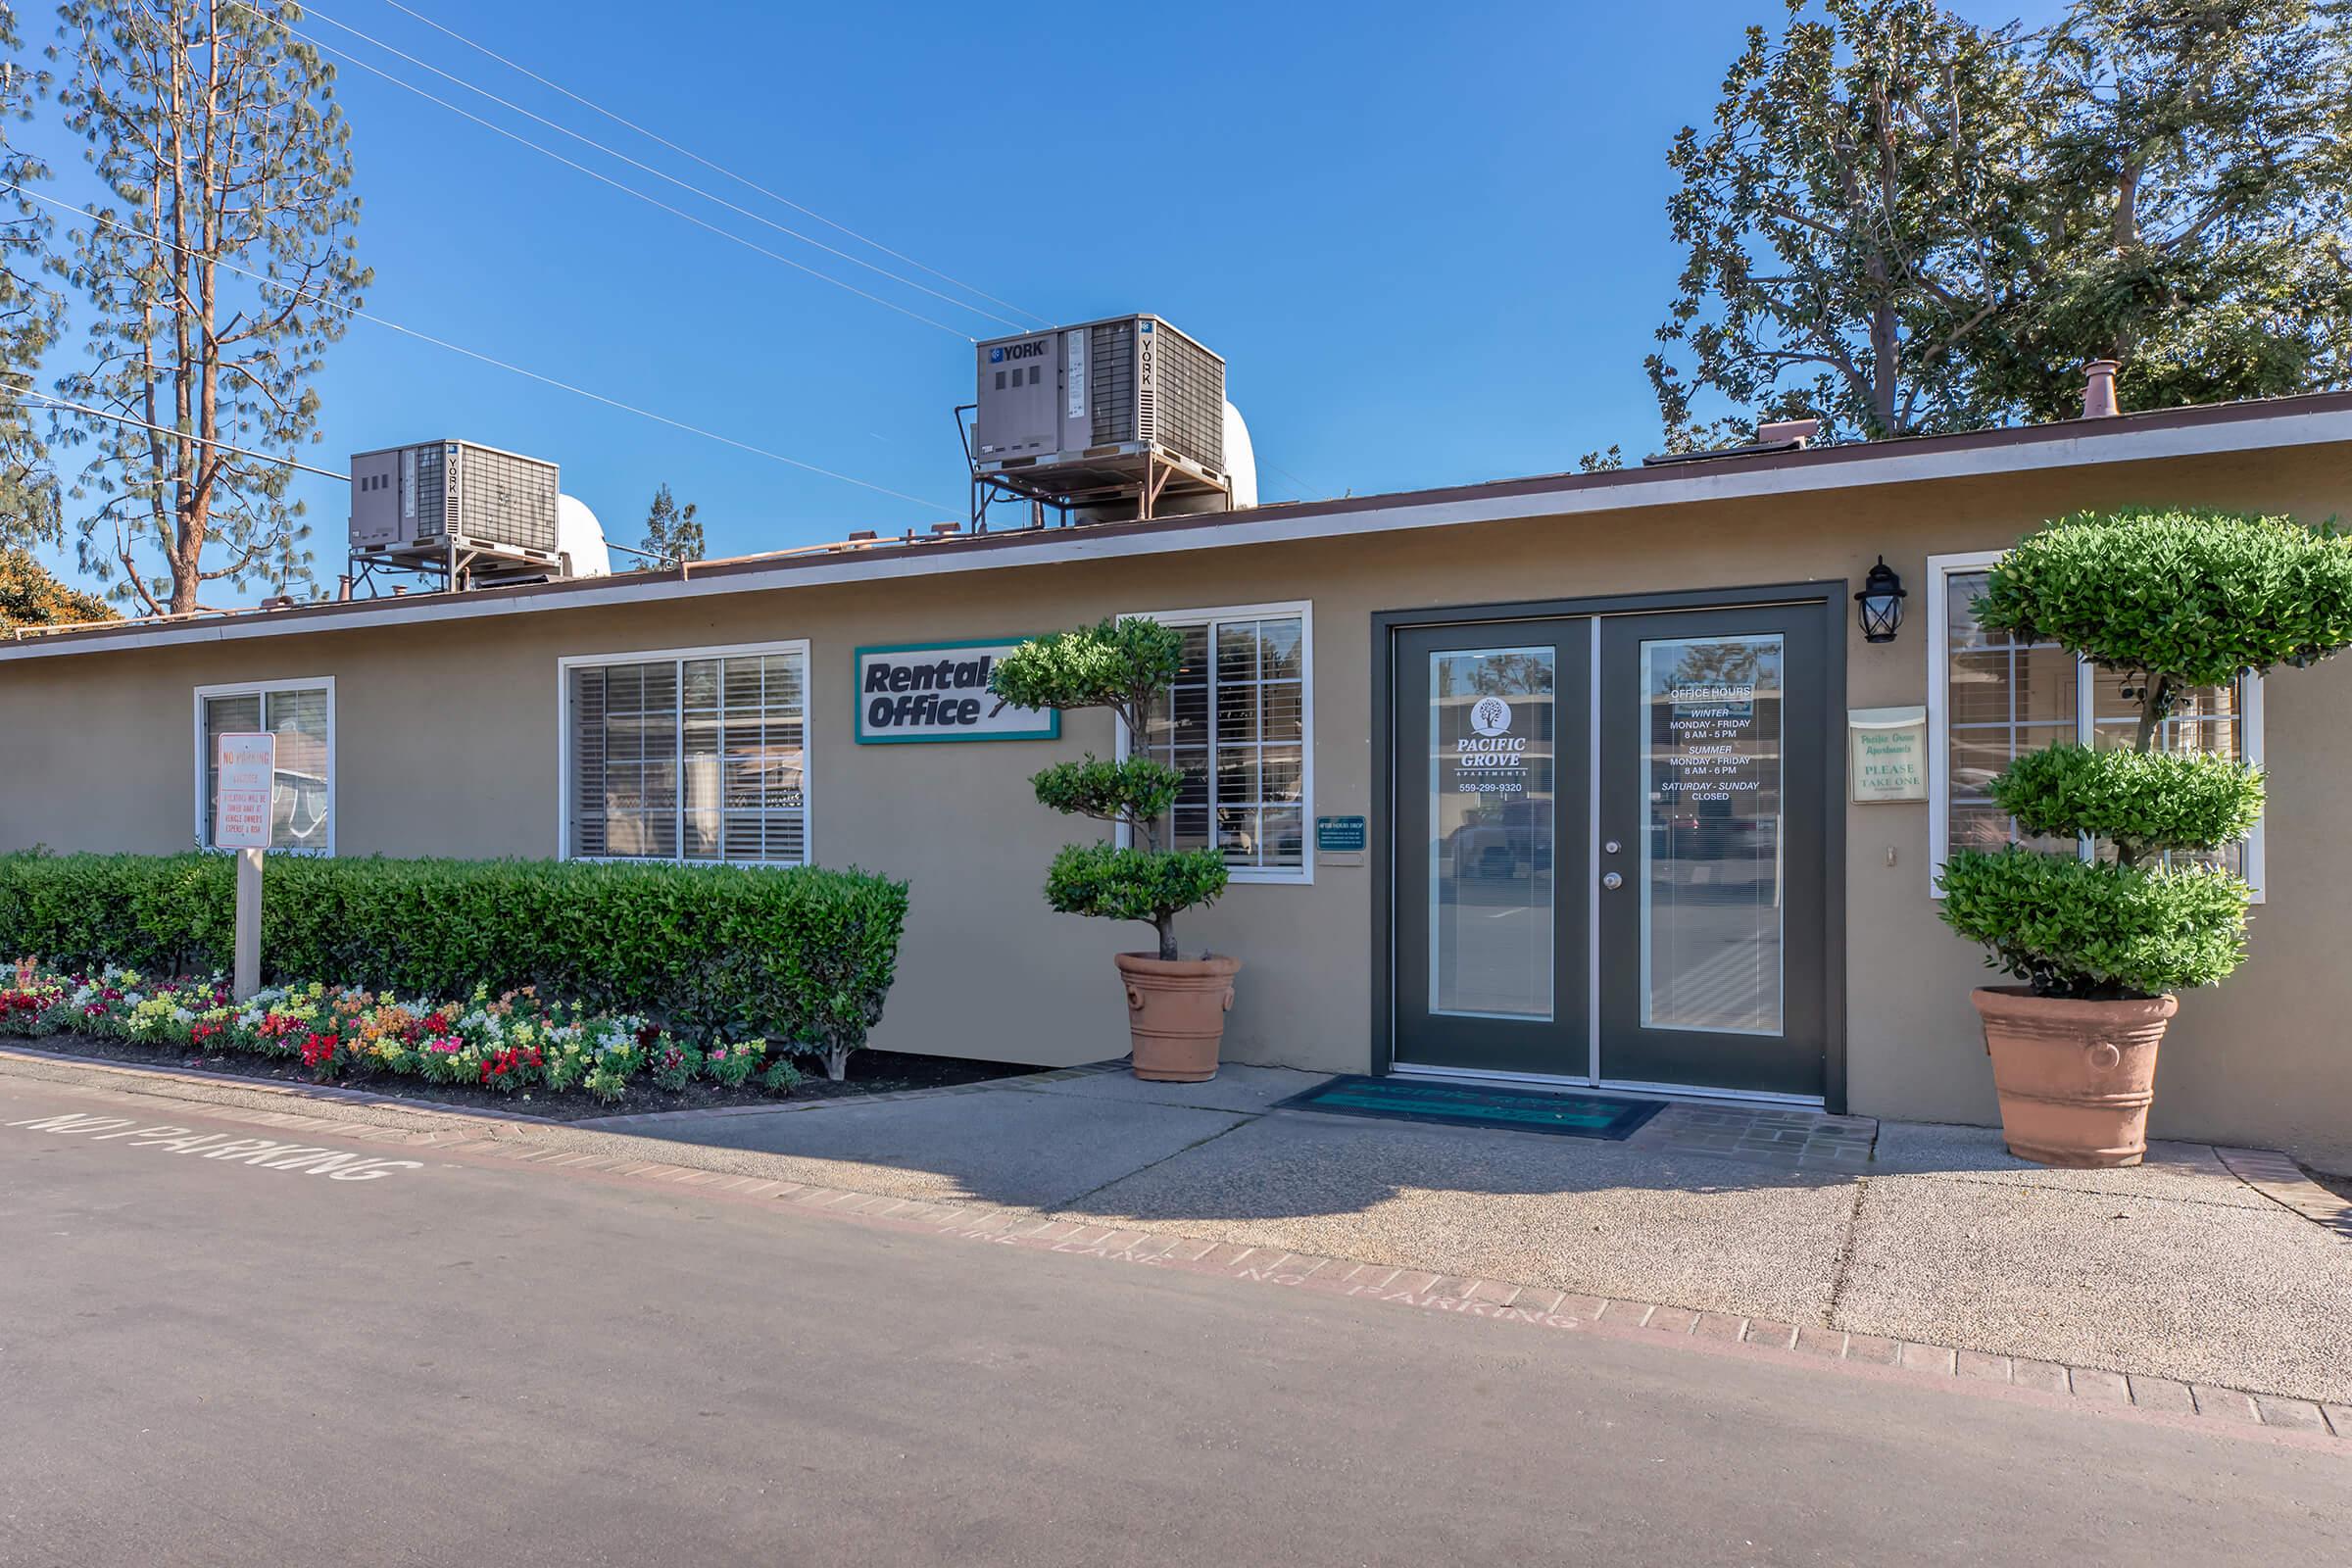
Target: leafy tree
<point x="30" y="595"/>
<point x="671" y="531"/>
<point x="2189" y="212"/>
<point x="32" y="313"/>
<point x="1901" y="223"/>
<point x="1847" y="225"/>
<point x="218" y="274"/>
<point x="1123" y="665"/>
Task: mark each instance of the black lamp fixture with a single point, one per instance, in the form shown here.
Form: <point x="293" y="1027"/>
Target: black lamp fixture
<point x="1881" y="603"/>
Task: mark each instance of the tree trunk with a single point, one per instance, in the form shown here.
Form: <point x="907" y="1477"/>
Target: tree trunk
<point x="1166" y="926"/>
<point x="837" y="1062"/>
<point x="2155" y="701"/>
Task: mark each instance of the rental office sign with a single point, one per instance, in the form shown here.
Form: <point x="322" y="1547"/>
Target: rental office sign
<point x="939" y="692"/>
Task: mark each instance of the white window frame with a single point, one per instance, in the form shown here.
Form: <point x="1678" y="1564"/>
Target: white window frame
<point x="651" y="656"/>
<point x="1304" y="873"/>
<point x="262" y="687"/>
<point x="1940" y="570"/>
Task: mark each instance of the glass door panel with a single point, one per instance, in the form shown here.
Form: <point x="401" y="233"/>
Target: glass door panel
<point x="1711" y="872"/>
<point x="1489" y="961"/>
<point x="1711" y="878"/>
<point x="1494" y="819"/>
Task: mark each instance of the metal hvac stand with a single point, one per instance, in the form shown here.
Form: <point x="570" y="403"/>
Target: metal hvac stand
<point x="1131" y="476"/>
<point x="452" y="567"/>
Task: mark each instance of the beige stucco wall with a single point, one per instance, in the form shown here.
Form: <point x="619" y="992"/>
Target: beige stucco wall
<point x="447" y="741"/>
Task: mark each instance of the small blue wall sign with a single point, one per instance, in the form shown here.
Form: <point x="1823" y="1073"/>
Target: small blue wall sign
<point x="1339" y="835"/>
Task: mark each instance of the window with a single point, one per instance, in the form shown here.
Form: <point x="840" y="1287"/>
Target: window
<point x="301" y="714"/>
<point x="691" y="755"/>
<point x="1991" y="699"/>
<point x="1237" y="722"/>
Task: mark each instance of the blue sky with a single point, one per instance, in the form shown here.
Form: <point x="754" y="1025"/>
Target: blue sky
<point x="1429" y="241"/>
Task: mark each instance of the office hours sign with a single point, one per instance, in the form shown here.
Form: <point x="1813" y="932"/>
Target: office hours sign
<point x="939" y="692"/>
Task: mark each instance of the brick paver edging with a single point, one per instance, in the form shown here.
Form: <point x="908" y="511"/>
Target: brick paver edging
<point x="1502" y="1303"/>
<point x="2279" y="1179"/>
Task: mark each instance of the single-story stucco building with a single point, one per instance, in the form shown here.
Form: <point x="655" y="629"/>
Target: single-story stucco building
<point x="1553" y="777"/>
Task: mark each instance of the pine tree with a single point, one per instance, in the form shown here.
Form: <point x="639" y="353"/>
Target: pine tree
<point x="216" y="276"/>
<point x="32" y="313"/>
<point x="671" y="531"/>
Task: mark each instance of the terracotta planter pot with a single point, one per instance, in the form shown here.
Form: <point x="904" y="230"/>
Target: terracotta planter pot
<point x="1176" y="1014"/>
<point x="2075" y="1078"/>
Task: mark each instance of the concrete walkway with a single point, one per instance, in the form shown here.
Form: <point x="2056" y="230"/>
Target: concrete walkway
<point x="2179" y="1268"/>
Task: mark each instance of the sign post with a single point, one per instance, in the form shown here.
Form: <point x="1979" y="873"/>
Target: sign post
<point x="247" y="775"/>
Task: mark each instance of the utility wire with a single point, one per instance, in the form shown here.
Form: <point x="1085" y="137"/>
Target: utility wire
<point x="176" y="435"/>
<point x="686" y="152"/>
<point x="657" y="173"/>
<point x="598" y="175"/>
<point x="490" y="360"/>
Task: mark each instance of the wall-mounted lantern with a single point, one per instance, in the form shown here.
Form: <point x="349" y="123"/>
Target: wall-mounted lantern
<point x="1880" y="603"/>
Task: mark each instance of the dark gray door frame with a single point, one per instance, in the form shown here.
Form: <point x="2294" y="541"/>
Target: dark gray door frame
<point x="1830" y="596"/>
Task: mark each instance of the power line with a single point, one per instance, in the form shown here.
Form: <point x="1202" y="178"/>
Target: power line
<point x="176" y="435"/>
<point x="720" y="169"/>
<point x="490" y="360"/>
<point x="598" y="175"/>
<point x="657" y="173"/>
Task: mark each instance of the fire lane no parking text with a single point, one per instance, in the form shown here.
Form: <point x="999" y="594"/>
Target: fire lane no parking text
<point x="263" y="1154"/>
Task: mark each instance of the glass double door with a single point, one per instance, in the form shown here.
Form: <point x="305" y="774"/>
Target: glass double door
<point x="1615" y="879"/>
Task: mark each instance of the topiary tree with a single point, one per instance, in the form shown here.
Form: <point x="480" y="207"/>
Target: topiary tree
<point x="2170" y="599"/>
<point x="1124" y="665"/>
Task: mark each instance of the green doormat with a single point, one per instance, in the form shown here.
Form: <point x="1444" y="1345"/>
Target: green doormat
<point x="1567" y="1112"/>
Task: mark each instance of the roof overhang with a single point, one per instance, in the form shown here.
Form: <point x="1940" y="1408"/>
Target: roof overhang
<point x="2281" y="423"/>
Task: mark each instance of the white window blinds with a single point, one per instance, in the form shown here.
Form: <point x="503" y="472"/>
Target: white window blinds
<point x="697" y="757"/>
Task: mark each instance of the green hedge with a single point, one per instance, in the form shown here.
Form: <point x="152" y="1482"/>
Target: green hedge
<point x="801" y="956"/>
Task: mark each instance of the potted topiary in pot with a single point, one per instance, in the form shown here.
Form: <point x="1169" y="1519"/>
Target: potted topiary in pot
<point x="1175" y="1006"/>
<point x="2170" y="601"/>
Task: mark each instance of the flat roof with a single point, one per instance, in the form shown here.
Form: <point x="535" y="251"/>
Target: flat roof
<point x="2272" y="423"/>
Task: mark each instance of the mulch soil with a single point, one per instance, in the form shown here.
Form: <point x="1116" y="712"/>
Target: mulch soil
<point x="871" y="1072"/>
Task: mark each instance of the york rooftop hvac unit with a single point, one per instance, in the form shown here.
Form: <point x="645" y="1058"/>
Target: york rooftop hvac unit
<point x="470" y="513"/>
<point x="1124" y="417"/>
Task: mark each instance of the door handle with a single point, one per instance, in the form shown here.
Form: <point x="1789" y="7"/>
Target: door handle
<point x="1612" y="881"/>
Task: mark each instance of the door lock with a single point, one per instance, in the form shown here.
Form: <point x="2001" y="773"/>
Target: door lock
<point x="1612" y="881"/>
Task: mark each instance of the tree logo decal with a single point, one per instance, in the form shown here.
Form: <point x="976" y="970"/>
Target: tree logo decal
<point x="1490" y="717"/>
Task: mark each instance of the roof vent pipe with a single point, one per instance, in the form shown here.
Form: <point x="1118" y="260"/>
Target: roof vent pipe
<point x="1786" y="432"/>
<point x="2098" y="396"/>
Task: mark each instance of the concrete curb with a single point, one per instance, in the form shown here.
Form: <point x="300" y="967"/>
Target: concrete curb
<point x="335" y="1092"/>
<point x="343" y="1095"/>
<point x="664" y="1118"/>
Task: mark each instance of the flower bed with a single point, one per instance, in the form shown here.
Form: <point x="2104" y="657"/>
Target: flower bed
<point x="514" y="1041"/>
<point x="804" y="955"/>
